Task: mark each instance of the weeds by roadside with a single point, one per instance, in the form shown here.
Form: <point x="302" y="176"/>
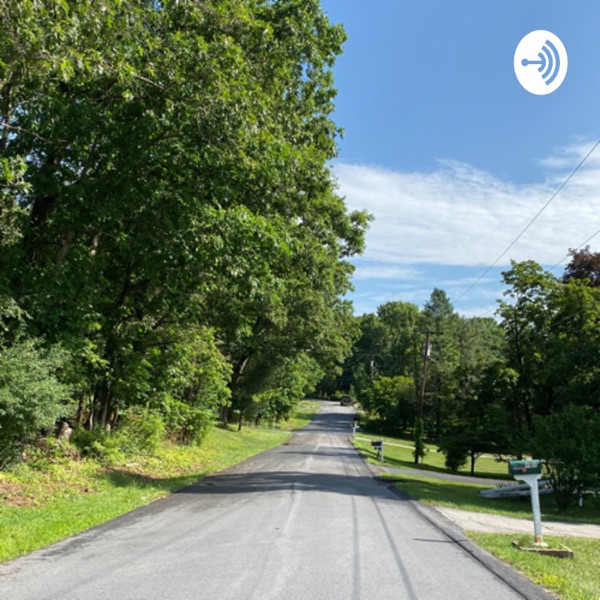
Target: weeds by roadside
<point x="53" y="496"/>
<point x="571" y="579"/>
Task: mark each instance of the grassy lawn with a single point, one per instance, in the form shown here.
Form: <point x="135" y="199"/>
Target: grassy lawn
<point x="576" y="579"/>
<point x="398" y="453"/>
<point x="41" y="506"/>
<point x="466" y="497"/>
<point x="571" y="579"/>
<point x="302" y="415"/>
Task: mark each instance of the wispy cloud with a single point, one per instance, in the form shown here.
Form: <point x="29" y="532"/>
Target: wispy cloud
<point x="460" y="215"/>
<point x="383" y="271"/>
<point x="442" y="228"/>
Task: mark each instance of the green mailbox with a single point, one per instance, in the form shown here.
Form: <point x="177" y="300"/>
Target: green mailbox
<point x="524" y="467"/>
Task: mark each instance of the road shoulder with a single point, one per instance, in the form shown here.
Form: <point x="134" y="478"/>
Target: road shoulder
<point x="523" y="586"/>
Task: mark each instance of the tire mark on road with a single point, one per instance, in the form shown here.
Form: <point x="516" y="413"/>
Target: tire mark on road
<point x="356" y="557"/>
<point x="410" y="590"/>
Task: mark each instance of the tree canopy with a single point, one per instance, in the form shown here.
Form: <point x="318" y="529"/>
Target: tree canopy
<point x="166" y="200"/>
<point x="490" y="385"/>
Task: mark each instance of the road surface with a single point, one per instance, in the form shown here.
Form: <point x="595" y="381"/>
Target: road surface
<point x="305" y="521"/>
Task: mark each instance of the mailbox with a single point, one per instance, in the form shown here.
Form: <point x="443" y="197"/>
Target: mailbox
<point x="377" y="444"/>
<point x="524" y="467"/>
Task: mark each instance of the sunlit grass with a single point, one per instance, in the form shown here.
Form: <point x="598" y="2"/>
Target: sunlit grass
<point x="571" y="579"/>
<point x="398" y="452"/>
<point x="302" y="415"/>
<point x="466" y="497"/>
<point x="42" y="506"/>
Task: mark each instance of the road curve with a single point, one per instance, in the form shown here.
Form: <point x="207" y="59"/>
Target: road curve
<point x="305" y="521"/>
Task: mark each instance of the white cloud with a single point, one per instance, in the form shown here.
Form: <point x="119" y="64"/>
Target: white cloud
<point x="460" y="215"/>
<point x="385" y="271"/>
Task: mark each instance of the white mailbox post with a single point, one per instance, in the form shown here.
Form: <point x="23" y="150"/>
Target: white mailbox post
<point x="530" y="471"/>
<point x="378" y="445"/>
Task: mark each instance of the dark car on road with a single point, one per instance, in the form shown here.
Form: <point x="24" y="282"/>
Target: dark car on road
<point x="346" y="401"/>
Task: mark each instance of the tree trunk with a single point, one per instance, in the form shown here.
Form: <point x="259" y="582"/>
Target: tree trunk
<point x="243" y="405"/>
<point x="102" y="402"/>
<point x="238" y="371"/>
<point x="224" y="414"/>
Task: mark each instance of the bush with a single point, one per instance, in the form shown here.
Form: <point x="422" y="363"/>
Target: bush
<point x="420" y="450"/>
<point x="97" y="443"/>
<point x="455" y="450"/>
<point x="139" y="432"/>
<point x="187" y="423"/>
<point x="31" y="396"/>
<point x="569" y="444"/>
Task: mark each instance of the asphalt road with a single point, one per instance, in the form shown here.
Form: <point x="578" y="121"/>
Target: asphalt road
<point x="302" y="521"/>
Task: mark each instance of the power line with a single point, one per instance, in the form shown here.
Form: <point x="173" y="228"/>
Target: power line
<point x="578" y="247"/>
<point x="563" y="184"/>
<point x="589" y="239"/>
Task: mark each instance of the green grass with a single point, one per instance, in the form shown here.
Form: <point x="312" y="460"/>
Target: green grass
<point x="302" y="415"/>
<point x="466" y="497"/>
<point x="401" y="456"/>
<point x="42" y="506"/>
<point x="576" y="579"/>
<point x="571" y="579"/>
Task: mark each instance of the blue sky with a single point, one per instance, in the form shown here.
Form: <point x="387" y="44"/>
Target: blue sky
<point x="451" y="155"/>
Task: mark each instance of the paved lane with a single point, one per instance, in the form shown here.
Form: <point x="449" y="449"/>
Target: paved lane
<point x="303" y="521"/>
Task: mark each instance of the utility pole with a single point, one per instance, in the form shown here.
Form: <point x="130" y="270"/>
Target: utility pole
<point x="426" y="354"/>
<point x="419" y="420"/>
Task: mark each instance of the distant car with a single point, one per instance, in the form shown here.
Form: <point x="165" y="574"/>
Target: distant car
<point x="346" y="401"/>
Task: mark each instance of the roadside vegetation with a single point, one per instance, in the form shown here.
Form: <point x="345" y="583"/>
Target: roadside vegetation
<point x="570" y="579"/>
<point x="399" y="452"/>
<point x="525" y="383"/>
<point x="54" y="494"/>
<point x="173" y="250"/>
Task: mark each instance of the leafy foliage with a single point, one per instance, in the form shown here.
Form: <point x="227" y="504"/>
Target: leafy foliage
<point x="529" y="381"/>
<point x="569" y="443"/>
<point x="585" y="265"/>
<point x="420" y="451"/>
<point x="31" y="395"/>
<point x="392" y="401"/>
<point x="167" y="214"/>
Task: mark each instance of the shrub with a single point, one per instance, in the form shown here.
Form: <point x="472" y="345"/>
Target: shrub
<point x="31" y="396"/>
<point x="139" y="432"/>
<point x="97" y="443"/>
<point x="187" y="423"/>
<point x="455" y="450"/>
<point x="569" y="444"/>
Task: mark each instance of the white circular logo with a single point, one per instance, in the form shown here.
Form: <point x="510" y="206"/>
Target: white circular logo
<point x="541" y="62"/>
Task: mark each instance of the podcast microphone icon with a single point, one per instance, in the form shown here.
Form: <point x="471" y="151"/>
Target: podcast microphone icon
<point x="550" y="59"/>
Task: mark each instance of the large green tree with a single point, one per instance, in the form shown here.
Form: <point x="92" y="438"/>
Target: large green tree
<point x="164" y="167"/>
<point x="439" y="323"/>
